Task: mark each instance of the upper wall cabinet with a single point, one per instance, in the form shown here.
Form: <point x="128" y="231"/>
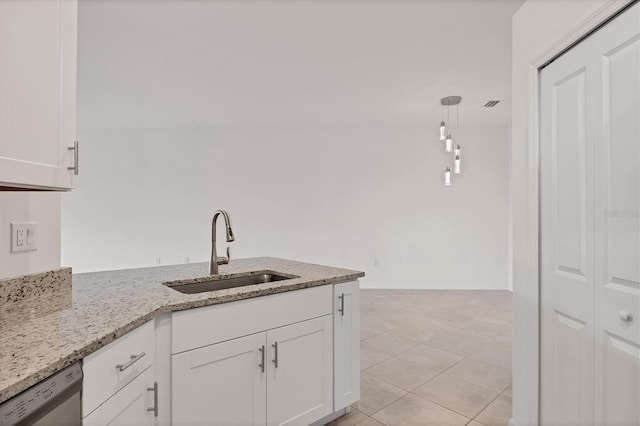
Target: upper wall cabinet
<point x="38" y="49"/>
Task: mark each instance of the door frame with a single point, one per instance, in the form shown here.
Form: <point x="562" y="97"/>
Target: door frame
<point x="588" y="26"/>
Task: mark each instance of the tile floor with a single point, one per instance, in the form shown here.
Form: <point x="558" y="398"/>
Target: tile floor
<point x="434" y="358"/>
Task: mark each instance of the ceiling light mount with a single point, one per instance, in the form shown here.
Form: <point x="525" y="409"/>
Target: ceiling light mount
<point x="451" y="100"/>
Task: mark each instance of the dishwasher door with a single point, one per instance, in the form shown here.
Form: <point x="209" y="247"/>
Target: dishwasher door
<point x="54" y="401"/>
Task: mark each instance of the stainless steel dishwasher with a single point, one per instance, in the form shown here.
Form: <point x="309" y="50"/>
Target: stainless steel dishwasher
<point x="54" y="401"/>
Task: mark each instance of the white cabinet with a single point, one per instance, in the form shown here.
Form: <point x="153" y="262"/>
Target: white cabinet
<point x="38" y="40"/>
<point x="279" y="377"/>
<point x="283" y="359"/>
<point x="300" y="372"/>
<point x="222" y="384"/>
<point x="346" y="335"/>
<point x="133" y="405"/>
<point x="120" y="386"/>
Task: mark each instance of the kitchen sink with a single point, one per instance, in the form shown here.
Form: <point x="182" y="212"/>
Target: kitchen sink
<point x="201" y="285"/>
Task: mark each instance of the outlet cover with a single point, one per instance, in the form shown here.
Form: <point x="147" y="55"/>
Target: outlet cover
<point x="23" y="236"/>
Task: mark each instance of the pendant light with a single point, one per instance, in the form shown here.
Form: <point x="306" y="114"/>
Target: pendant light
<point x="447" y="176"/>
<point x="443" y="128"/>
<point x="449" y="146"/>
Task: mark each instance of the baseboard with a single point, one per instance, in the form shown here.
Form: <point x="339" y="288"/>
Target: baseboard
<point x="331" y="417"/>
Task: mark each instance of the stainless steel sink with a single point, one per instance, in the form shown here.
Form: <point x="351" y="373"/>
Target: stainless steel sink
<point x="228" y="281"/>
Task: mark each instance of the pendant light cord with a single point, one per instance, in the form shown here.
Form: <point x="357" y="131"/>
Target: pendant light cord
<point x="457" y="126"/>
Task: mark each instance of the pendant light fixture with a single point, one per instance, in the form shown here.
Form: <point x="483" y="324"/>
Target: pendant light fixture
<point x="445" y="128"/>
<point x="447" y="176"/>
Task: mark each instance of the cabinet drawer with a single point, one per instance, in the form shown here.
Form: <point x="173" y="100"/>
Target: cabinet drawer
<point x="103" y="377"/>
<point x="213" y="324"/>
<point x="129" y="406"/>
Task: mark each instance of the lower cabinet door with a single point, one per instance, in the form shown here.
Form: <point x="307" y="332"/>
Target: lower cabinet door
<point x="300" y="379"/>
<point x="129" y="406"/>
<point x="222" y="384"/>
<point x="346" y="338"/>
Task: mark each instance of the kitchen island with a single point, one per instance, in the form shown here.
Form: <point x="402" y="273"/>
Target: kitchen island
<point x="42" y="334"/>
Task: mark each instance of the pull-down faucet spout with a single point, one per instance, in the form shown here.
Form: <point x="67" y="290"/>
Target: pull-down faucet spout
<point x="215" y="260"/>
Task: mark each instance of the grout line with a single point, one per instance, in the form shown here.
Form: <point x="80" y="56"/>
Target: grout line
<point x="440" y="405"/>
<point x="492" y="401"/>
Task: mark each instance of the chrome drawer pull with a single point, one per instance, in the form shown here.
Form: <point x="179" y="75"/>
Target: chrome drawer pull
<point x="154" y="389"/>
<point x="275" y="356"/>
<point x="134" y="358"/>
<point x="76" y="152"/>
<point x="341" y="309"/>
<point x="261" y="365"/>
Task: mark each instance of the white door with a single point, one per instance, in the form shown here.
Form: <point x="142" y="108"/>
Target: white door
<point x="589" y="189"/>
<point x="567" y="248"/>
<point x="346" y="341"/>
<point x="222" y="384"/>
<point x="129" y="406"/>
<point x="37" y="92"/>
<point x="300" y="379"/>
<point x="617" y="221"/>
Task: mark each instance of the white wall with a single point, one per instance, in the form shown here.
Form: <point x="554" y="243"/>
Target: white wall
<point x="364" y="198"/>
<point x="42" y="207"/>
<point x="310" y="122"/>
<point x="537" y="26"/>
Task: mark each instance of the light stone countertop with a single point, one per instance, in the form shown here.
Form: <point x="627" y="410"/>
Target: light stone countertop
<point x="41" y="335"/>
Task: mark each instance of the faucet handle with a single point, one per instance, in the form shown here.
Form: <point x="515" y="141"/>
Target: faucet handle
<point x="224" y="260"/>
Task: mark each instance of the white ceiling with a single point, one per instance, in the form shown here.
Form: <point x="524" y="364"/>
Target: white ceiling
<point x="198" y="63"/>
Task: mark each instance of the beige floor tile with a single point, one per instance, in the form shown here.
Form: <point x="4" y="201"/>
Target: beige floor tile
<point x="411" y="410"/>
<point x="369" y="421"/>
<point x="367" y="332"/>
<point x="390" y="344"/>
<point x="494" y="353"/>
<point x="402" y="373"/>
<point x="461" y="343"/>
<point x="497" y="413"/>
<point x="370" y="356"/>
<point x="474" y="423"/>
<point x="431" y="358"/>
<point x="446" y="322"/>
<point x="376" y="394"/>
<point x="457" y="395"/>
<point x="353" y="418"/>
<point x="481" y="373"/>
<point x="416" y="332"/>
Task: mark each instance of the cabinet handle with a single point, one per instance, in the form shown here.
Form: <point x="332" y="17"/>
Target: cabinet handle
<point x="134" y="359"/>
<point x="154" y="389"/>
<point x="625" y="316"/>
<point x="76" y="150"/>
<point x="341" y="309"/>
<point x="275" y="355"/>
<point x="261" y="365"/>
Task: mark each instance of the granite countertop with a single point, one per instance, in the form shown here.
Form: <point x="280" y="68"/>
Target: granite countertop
<point x="43" y="334"/>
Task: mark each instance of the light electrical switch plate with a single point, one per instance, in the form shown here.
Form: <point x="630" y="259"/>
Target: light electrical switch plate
<point x="24" y="236"/>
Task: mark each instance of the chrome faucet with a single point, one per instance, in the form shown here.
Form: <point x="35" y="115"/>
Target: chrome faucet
<point x="215" y="260"/>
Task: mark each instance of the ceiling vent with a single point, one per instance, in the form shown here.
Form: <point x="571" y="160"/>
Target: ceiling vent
<point x="491" y="104"/>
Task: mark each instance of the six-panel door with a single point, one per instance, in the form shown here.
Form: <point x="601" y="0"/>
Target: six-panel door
<point x="590" y="229"/>
<point x="300" y="374"/>
<point x="222" y="384"/>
